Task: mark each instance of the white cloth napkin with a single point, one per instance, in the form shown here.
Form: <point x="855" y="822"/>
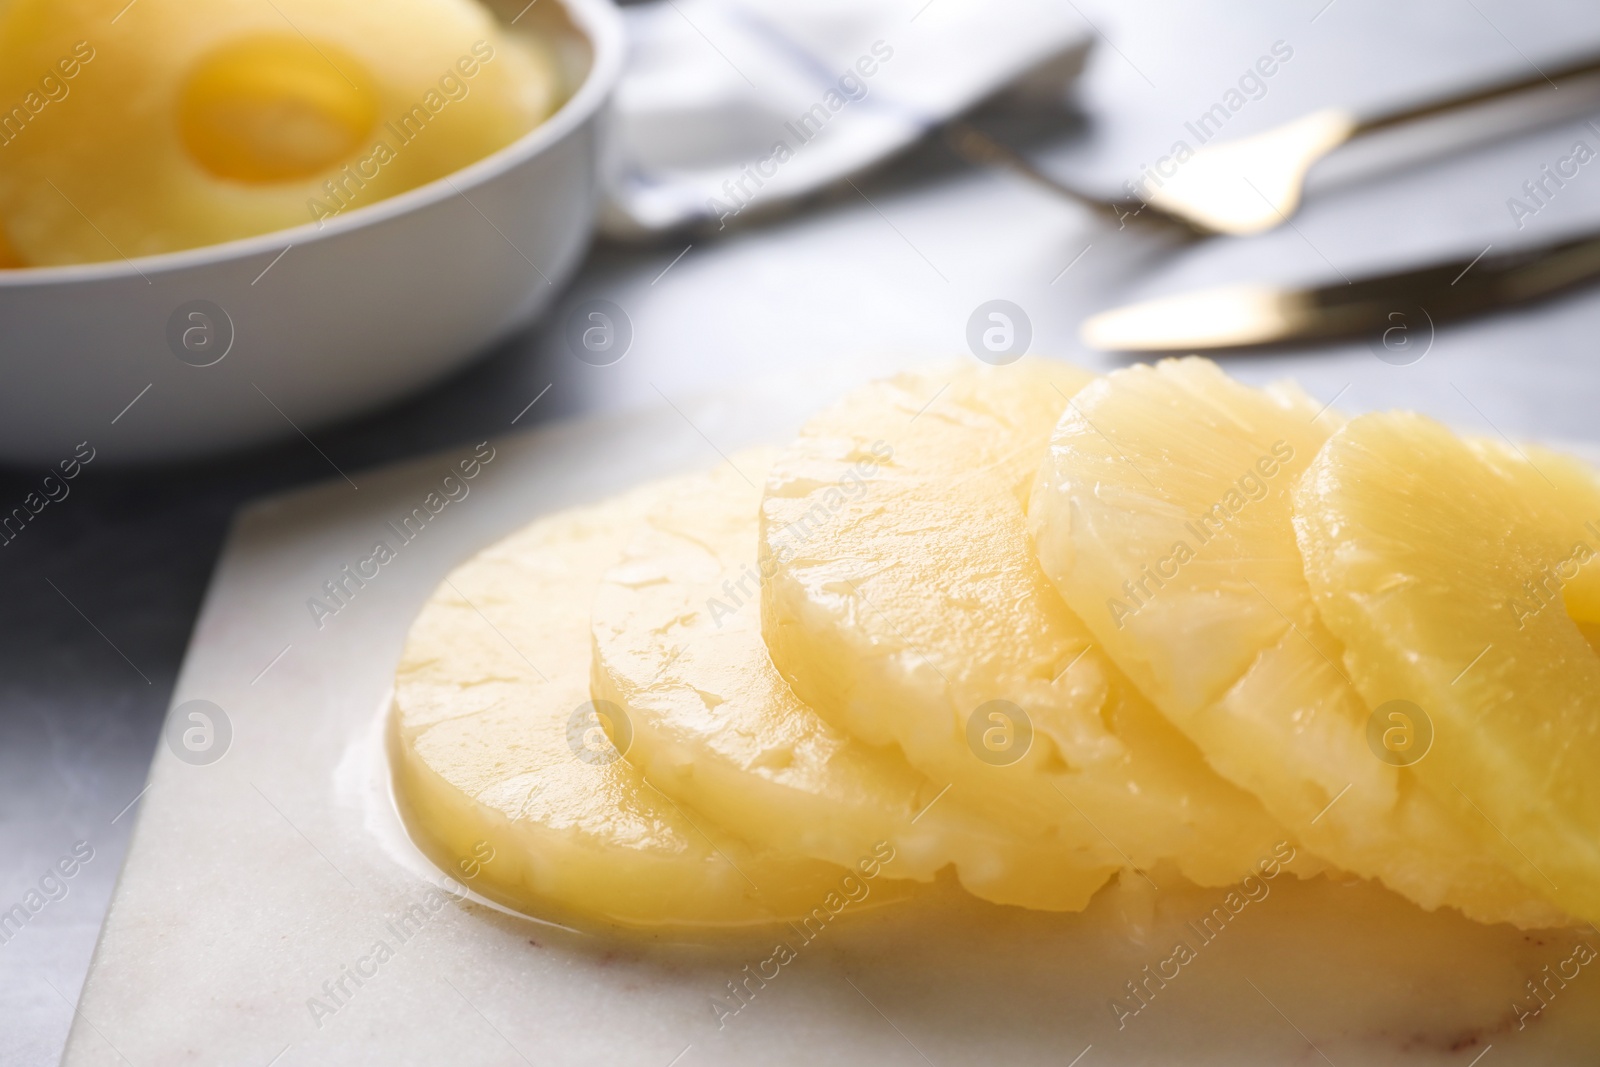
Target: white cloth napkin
<point x="729" y="106"/>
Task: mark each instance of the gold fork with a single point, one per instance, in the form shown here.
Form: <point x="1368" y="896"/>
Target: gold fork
<point x="1251" y="184"/>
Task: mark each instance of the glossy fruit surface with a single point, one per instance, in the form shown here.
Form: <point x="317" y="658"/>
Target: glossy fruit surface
<point x="1164" y="515"/>
<point x="902" y="600"/>
<point x="1442" y="566"/>
<point x="711" y="723"/>
<point x="133" y="129"/>
<point x="502" y="766"/>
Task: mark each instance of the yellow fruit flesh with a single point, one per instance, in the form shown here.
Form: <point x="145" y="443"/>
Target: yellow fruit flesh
<point x="1163" y="514"/>
<point x="1440" y="563"/>
<point x="901" y="598"/>
<point x="678" y="647"/>
<point x="1566" y="494"/>
<point x="486" y="764"/>
<point x="271" y="109"/>
<point x="182" y="125"/>
<point x="9" y="260"/>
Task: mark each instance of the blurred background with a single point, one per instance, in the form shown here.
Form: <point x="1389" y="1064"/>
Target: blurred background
<point x="860" y="277"/>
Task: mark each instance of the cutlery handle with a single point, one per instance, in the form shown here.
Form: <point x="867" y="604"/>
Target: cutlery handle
<point x="1451" y="291"/>
<point x="1578" y="68"/>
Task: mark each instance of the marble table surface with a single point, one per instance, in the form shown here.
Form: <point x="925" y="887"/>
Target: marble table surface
<point x="101" y="593"/>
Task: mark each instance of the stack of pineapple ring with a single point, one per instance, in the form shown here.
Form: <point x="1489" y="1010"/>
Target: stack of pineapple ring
<point x="136" y="130"/>
<point x="1027" y="628"/>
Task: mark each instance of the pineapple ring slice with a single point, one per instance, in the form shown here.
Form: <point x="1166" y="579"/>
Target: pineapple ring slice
<point x="1163" y="514"/>
<point x="1442" y="565"/>
<point x="502" y="787"/>
<point x="174" y="124"/>
<point x="901" y="600"/>
<point x="678" y="647"/>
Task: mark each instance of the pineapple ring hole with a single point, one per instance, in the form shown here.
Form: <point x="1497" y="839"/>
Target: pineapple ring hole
<point x="270" y="108"/>
<point x="1581" y="597"/>
<point x="9" y="260"/>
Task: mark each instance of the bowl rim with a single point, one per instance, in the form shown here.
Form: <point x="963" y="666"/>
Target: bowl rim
<point x="598" y="20"/>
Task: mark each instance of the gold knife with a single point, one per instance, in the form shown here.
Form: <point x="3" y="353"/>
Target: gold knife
<point x="1251" y="316"/>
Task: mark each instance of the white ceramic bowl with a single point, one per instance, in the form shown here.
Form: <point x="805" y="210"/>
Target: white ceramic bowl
<point x="374" y="304"/>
